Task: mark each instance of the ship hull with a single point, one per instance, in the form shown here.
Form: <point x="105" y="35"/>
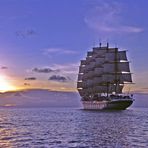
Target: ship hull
<point x="107" y="105"/>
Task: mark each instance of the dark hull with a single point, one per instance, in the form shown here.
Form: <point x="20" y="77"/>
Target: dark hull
<point x="107" y="105"/>
<point x="119" y="105"/>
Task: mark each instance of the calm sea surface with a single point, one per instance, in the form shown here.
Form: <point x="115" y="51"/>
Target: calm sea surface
<point x="73" y="128"/>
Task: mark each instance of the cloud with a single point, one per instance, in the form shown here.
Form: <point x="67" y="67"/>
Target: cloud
<point x="4" y="67"/>
<point x="107" y="18"/>
<point x="59" y="78"/>
<point x="27" y="84"/>
<point x="25" y="33"/>
<point x="71" y="68"/>
<point x="58" y="51"/>
<point x="31" y="78"/>
<point x="44" y="70"/>
<point x="145" y="88"/>
<point x="67" y="68"/>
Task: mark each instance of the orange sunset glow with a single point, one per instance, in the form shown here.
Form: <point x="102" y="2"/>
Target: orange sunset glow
<point x="5" y="85"/>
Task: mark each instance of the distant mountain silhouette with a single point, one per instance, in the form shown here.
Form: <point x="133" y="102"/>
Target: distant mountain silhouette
<point x="48" y="98"/>
<point x="141" y="100"/>
<point x="40" y="98"/>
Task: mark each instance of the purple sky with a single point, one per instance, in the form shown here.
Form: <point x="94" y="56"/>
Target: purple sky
<point x="42" y="41"/>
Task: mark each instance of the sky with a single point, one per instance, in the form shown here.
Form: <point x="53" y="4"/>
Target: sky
<point x="43" y="41"/>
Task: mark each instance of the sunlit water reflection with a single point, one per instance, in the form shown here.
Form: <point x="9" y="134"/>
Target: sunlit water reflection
<point x="66" y="127"/>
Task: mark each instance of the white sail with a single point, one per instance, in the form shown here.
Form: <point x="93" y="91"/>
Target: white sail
<point x="99" y="61"/>
<point x="89" y="83"/>
<point x="97" y="80"/>
<point x="85" y="84"/>
<point x="104" y="70"/>
<point x="126" y="77"/>
<point x="87" y="91"/>
<point x="90" y="74"/>
<point x="83" y="62"/>
<point x="123" y="66"/>
<point x="108" y="78"/>
<point x="121" y="78"/>
<point x="100" y="89"/>
<point x="120" y="67"/>
<point x="92" y="65"/>
<point x="80" y="84"/>
<point x="113" y="50"/>
<point x="82" y="92"/>
<point x="113" y="88"/>
<point x="122" y="55"/>
<point x="110" y="56"/>
<point x="80" y="77"/>
<point x="88" y="59"/>
<point x="119" y="89"/>
<point x="104" y="49"/>
<point x="85" y="76"/>
<point x="99" y="51"/>
<point x="89" y="53"/>
<point x="98" y="71"/>
<point x="109" y="67"/>
<point x="82" y="69"/>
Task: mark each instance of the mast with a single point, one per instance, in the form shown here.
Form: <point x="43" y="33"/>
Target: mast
<point x="107" y="84"/>
<point x="116" y="69"/>
<point x="107" y="88"/>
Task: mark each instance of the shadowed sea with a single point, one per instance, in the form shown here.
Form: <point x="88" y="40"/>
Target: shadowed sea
<point x="73" y="128"/>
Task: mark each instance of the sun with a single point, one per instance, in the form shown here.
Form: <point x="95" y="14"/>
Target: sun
<point x="5" y="85"/>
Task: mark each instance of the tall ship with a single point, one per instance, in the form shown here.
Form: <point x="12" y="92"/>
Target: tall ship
<point x="101" y="79"/>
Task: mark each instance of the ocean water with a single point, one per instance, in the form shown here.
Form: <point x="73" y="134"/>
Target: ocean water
<point x="73" y="128"/>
